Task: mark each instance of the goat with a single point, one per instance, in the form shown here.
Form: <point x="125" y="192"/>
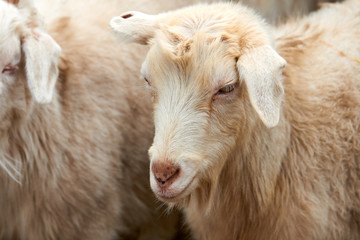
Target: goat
<point x="74" y="132"/>
<point x="257" y="130"/>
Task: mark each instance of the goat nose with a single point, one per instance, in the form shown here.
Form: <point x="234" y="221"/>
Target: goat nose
<point x="165" y="173"/>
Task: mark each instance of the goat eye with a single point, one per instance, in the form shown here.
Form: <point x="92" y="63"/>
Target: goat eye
<point x="9" y="69"/>
<point x="226" y="89"/>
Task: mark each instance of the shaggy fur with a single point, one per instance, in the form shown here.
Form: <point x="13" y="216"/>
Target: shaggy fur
<point x="73" y="161"/>
<point x="278" y="155"/>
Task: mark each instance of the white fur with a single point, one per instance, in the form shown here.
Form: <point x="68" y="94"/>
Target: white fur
<point x="128" y="31"/>
<point x="261" y="69"/>
<point x="41" y="53"/>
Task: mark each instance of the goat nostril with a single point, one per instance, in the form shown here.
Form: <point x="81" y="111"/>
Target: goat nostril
<point x="160" y="181"/>
<point x="165" y="173"/>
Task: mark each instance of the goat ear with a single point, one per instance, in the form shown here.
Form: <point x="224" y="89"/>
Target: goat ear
<point x="261" y="69"/>
<point x="41" y="56"/>
<point x="14" y="2"/>
<point x="134" y="26"/>
<point x="21" y="3"/>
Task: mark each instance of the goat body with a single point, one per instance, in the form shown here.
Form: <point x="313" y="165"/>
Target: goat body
<point x="74" y="129"/>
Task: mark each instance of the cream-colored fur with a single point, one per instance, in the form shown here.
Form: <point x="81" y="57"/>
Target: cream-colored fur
<point x="278" y="155"/>
<point x="75" y="128"/>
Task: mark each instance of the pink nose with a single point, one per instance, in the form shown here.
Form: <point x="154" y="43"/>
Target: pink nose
<point x="165" y="173"/>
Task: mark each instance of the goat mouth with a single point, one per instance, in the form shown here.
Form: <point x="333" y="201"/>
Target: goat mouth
<point x="167" y="195"/>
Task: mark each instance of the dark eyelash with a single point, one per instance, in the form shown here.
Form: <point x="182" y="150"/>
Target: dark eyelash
<point x="9" y="69"/>
<point x="226" y="89"/>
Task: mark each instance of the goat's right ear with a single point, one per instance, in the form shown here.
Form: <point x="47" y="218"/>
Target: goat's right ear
<point x="261" y="68"/>
<point x="135" y="27"/>
<point x="41" y="56"/>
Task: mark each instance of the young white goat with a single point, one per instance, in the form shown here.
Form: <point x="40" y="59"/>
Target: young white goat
<point x="249" y="148"/>
<point x="74" y="132"/>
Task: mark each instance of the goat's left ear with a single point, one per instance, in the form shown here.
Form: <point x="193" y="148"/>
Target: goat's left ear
<point x="135" y="26"/>
<point x="41" y="57"/>
<point x="14" y="2"/>
<point x="261" y="69"/>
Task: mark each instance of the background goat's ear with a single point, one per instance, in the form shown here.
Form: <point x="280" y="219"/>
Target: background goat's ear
<point x="261" y="68"/>
<point x="21" y="3"/>
<point x="134" y="26"/>
<point x="15" y="2"/>
<point x="41" y="56"/>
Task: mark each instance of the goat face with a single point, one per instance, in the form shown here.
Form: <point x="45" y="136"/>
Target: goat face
<point x="10" y="51"/>
<point x="213" y="75"/>
<point x="195" y="97"/>
<point x="26" y="51"/>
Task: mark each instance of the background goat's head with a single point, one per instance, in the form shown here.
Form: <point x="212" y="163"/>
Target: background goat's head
<point x="214" y="76"/>
<point x="26" y="51"/>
